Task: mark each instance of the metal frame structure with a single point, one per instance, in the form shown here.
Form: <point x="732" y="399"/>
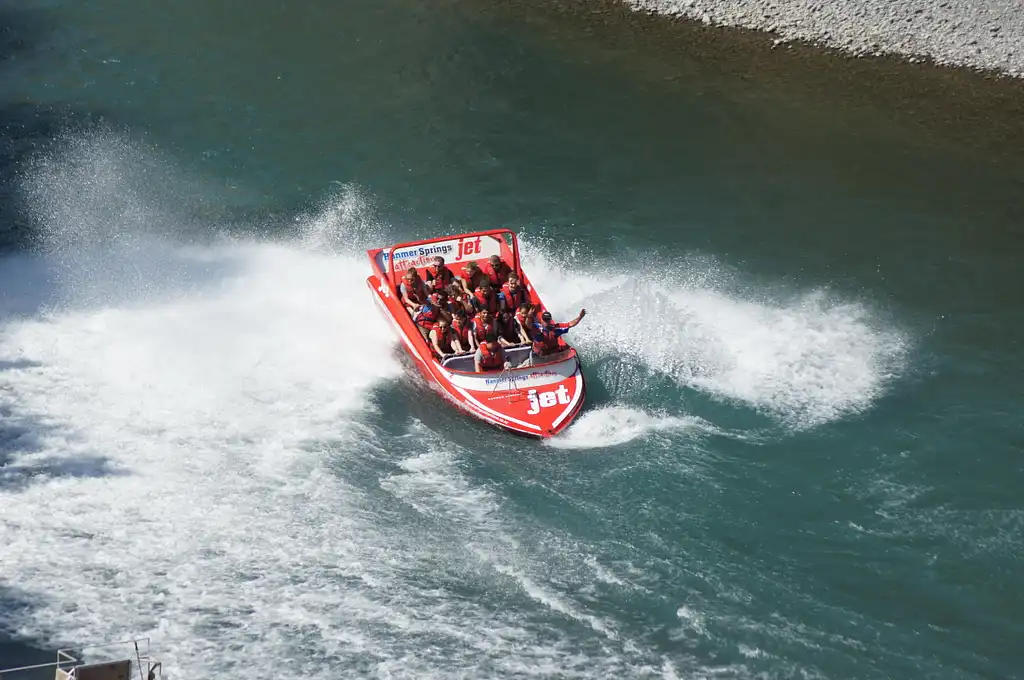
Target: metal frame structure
<point x="67" y="661"/>
<point x="422" y="242"/>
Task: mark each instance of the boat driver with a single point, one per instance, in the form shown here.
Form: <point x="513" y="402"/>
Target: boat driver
<point x="546" y="334"/>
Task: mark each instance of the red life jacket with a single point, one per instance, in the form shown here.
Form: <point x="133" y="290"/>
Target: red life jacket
<point x="509" y="328"/>
<point x="498" y="274"/>
<point x="444" y="341"/>
<point x="464" y="302"/>
<point x="486" y="301"/>
<point x="426" y="317"/>
<point x="418" y="292"/>
<point x="481" y="330"/>
<point x="491" y="359"/>
<point x="545" y="340"/>
<point x="462" y="333"/>
<point x="443" y="276"/>
<point x="475" y="280"/>
<point x="513" y="300"/>
<point x="525" y="324"/>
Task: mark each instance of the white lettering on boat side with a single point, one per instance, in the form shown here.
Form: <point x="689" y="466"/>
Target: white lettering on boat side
<point x="543" y="400"/>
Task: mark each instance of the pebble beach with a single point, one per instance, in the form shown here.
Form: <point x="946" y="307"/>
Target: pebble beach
<point x="981" y="35"/>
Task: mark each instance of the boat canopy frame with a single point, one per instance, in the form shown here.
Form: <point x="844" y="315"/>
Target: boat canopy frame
<point x="493" y="233"/>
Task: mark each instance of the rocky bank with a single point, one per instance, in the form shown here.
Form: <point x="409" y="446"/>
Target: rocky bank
<point x="983" y="34"/>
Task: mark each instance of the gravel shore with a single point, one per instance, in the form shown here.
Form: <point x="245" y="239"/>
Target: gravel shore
<point x="985" y="34"/>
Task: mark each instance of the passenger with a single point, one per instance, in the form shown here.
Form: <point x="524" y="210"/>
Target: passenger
<point x="472" y="277"/>
<point x="511" y="297"/>
<point x="416" y="275"/>
<point x="463" y="329"/>
<point x="444" y="340"/>
<point x="497" y="271"/>
<point x="428" y="314"/>
<point x="513" y="294"/>
<point x="524" y="319"/>
<point x="490" y="356"/>
<point x="484" y="298"/>
<point x="459" y="299"/>
<point x="413" y="290"/>
<point x="508" y="328"/>
<point x="441" y="301"/>
<point x="546" y="334"/>
<point x="484" y="325"/>
<point x="439" y="276"/>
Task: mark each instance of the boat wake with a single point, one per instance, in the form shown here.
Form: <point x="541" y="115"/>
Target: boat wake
<point x="606" y="426"/>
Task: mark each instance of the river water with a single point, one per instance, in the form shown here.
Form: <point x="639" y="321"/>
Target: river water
<point x="801" y="452"/>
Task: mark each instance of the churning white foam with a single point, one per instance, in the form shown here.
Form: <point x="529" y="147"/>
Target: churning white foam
<point x="166" y="409"/>
<point x="805" y="360"/>
<point x="167" y="455"/>
<point x="606" y="426"/>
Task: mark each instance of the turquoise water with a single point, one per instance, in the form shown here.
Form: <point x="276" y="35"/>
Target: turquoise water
<point x="801" y="451"/>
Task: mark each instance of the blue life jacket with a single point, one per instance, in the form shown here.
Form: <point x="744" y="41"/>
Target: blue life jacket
<point x="427" y="316"/>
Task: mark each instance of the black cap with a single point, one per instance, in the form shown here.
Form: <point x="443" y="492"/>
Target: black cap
<point x="546" y="316"/>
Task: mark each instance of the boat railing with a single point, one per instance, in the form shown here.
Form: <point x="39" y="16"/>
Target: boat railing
<point x="520" y="356"/>
<point x="71" y="665"/>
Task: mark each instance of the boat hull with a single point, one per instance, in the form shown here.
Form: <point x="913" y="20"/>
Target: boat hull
<point x="531" y="400"/>
<point x="534" y="396"/>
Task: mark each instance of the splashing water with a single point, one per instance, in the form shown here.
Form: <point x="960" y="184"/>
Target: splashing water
<point x="805" y="361"/>
<point x="617" y="425"/>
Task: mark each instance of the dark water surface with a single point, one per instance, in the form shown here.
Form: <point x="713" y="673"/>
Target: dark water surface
<point x="802" y="451"/>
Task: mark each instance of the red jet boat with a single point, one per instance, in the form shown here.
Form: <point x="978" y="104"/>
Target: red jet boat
<point x="536" y="396"/>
